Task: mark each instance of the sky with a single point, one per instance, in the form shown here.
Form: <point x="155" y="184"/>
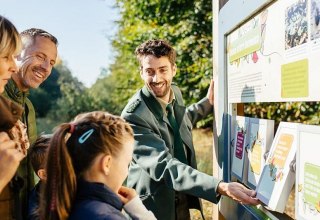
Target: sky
<point x="84" y="29"/>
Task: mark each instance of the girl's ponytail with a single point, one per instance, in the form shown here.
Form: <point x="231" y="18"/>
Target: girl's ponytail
<point x="60" y="188"/>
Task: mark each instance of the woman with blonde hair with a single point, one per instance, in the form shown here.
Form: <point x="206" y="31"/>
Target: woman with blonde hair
<point x="87" y="164"/>
<point x="10" y="155"/>
<point x="10" y="46"/>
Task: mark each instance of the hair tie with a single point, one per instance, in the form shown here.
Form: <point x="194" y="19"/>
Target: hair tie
<point x="72" y="127"/>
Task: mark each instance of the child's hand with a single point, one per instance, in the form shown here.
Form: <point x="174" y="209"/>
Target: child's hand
<point x="126" y="194"/>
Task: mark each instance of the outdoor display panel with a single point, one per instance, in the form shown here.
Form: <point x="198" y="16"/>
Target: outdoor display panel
<point x="269" y="51"/>
<point x="308" y="173"/>
<point x="274" y="56"/>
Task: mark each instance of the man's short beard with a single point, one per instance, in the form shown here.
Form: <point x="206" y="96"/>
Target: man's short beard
<point x="155" y="95"/>
<point x="166" y="91"/>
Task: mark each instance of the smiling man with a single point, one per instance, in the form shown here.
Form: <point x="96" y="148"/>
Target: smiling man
<point x="35" y="62"/>
<point x="164" y="170"/>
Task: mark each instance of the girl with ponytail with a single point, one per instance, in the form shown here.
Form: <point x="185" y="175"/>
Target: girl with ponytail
<point x="87" y="163"/>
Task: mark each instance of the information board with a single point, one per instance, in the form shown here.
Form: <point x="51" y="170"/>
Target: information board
<point x="274" y="56"/>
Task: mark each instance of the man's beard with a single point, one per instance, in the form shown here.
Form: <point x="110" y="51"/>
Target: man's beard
<point x="160" y="94"/>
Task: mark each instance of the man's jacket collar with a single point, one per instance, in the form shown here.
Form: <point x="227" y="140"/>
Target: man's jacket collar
<point x="156" y="108"/>
<point x="152" y="103"/>
<point x="14" y="93"/>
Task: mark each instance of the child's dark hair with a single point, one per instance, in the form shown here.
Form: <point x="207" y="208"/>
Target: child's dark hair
<point x="38" y="152"/>
<point x="73" y="148"/>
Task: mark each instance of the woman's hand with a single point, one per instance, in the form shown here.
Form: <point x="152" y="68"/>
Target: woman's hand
<point x="10" y="158"/>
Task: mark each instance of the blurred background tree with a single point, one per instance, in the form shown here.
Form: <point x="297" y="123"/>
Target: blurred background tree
<point x="187" y="25"/>
<point x="46" y="95"/>
<point x="60" y="98"/>
<point x="300" y="112"/>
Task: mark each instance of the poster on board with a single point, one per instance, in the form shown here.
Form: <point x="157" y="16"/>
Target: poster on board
<point x="308" y="173"/>
<point x="261" y="133"/>
<point x="240" y="144"/>
<point x="274" y="56"/>
<point x="277" y="179"/>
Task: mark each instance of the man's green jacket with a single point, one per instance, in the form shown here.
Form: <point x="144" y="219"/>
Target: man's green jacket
<point x="28" y="118"/>
<point x="154" y="172"/>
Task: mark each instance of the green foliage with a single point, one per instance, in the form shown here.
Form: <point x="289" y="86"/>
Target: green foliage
<point x="40" y="99"/>
<point x="75" y="97"/>
<point x="44" y="97"/>
<point x="60" y="98"/>
<point x="187" y="25"/>
<point x="46" y="125"/>
<point x="202" y="139"/>
<point x="301" y="112"/>
<point x="112" y="92"/>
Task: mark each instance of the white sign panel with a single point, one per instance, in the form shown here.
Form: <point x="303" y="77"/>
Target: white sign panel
<point x="308" y="173"/>
<point x="277" y="179"/>
<point x="274" y="57"/>
<point x="261" y="132"/>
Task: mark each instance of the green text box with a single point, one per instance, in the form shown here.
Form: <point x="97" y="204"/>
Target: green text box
<point x="312" y="183"/>
<point x="247" y="44"/>
<point x="295" y="79"/>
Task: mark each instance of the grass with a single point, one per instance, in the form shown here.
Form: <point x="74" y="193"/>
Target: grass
<point x="203" y="142"/>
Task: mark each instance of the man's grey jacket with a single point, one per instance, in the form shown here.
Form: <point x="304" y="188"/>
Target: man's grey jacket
<point x="154" y="172"/>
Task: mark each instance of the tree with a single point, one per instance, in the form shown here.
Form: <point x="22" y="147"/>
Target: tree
<point x="75" y="98"/>
<point x="186" y="24"/>
<point x="44" y="97"/>
<point x="301" y="112"/>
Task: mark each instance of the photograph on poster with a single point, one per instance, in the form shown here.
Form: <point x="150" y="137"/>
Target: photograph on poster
<point x="261" y="132"/>
<point x="308" y="173"/>
<point x="240" y="143"/>
<point x="296" y="24"/>
<point x="315" y="19"/>
<point x="277" y="179"/>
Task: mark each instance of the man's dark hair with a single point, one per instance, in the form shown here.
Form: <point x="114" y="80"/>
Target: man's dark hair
<point x="157" y="48"/>
<point x="38" y="152"/>
<point x="32" y="33"/>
